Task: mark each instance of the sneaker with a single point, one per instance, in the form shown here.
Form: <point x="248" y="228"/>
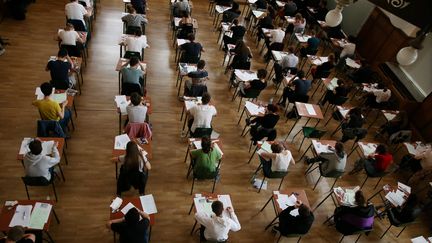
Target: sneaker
<point x="2" y="51"/>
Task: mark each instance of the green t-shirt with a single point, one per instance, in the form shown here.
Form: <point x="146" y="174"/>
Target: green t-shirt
<point x="205" y="164"/>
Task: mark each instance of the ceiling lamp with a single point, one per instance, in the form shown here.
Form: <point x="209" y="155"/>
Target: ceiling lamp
<point x="334" y="17"/>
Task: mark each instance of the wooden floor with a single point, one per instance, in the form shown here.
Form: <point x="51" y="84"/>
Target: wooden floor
<point x="84" y="198"/>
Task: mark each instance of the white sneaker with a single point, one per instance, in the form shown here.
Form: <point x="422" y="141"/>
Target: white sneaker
<point x="2" y="51"/>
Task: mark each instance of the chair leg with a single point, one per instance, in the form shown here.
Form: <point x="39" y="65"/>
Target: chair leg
<point x="358" y="238"/>
<point x="400" y="232"/>
<point x="334" y="183"/>
<point x="385" y="232"/>
<point x="378" y="183"/>
<point x="301" y="144"/>
<point x="214" y="183"/>
<point x="296" y="135"/>
<point x="250" y="146"/>
<point x="241" y="98"/>
<point x="28" y="195"/>
<point x="299" y="239"/>
<point x="343" y="236"/>
<point x="317" y="183"/>
<point x="281" y="183"/>
<point x="280" y="236"/>
<point x="193" y="182"/>
<point x="364" y="182"/>
<point x="308" y="171"/>
<point x="54" y="190"/>
<point x="262" y="183"/>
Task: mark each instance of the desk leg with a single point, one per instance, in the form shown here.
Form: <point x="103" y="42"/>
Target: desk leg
<point x="373" y="122"/>
<point x="265" y="205"/>
<point x="355" y="148"/>
<point x="193" y="228"/>
<point x="190" y="210"/>
<point x="55" y="216"/>
<point x="65" y="156"/>
<point x="241" y="116"/>
<point x="250" y="159"/>
<point x="119" y="82"/>
<point x="295" y="123"/>
<point x="184" y="123"/>
<point x="49" y="237"/>
<point x="183" y="110"/>
<point x="187" y="152"/>
<point x="310" y="146"/>
<point x="307" y="122"/>
<point x="120" y="120"/>
<point x="271" y="223"/>
<point x="327" y="220"/>
<point x="179" y="87"/>
<point x="319" y="204"/>
<point x="116" y="170"/>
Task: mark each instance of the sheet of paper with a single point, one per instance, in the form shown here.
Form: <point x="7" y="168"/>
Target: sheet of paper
<point x="202" y="205"/>
<point x="319" y="147"/>
<point x="24" y="146"/>
<point x="257" y="13"/>
<point x="214" y="135"/>
<point x="310" y="109"/>
<point x="197" y="144"/>
<point x="395" y="198"/>
<point x="116" y="203"/>
<point x="277" y="55"/>
<point x="368" y="148"/>
<point x="332" y="84"/>
<point x="404" y="187"/>
<point x="47" y="147"/>
<point x="389" y="116"/>
<point x="411" y="148"/>
<point x="244" y="75"/>
<point x="40" y="215"/>
<point x="257" y="184"/>
<point x="59" y="97"/>
<point x="295" y="212"/>
<point x="126" y="208"/>
<point x="189" y="104"/>
<point x="216" y="146"/>
<point x="254" y="109"/>
<point x="121" y="103"/>
<point x="282" y="200"/>
<point x="351" y="63"/>
<point x="21" y="216"/>
<point x="121" y="141"/>
<point x="226" y="201"/>
<point x="148" y="204"/>
<point x="343" y="111"/>
<point x="419" y="239"/>
<point x="266" y="147"/>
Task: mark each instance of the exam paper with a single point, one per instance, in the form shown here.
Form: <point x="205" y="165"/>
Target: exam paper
<point x="148" y="204"/>
<point x="121" y="141"/>
<point x="47" y="146"/>
<point x="319" y="147"/>
<point x="333" y="84"/>
<point x="404" y="187"/>
<point x="59" y="97"/>
<point x="126" y="208"/>
<point x="310" y="109"/>
<point x="202" y="205"/>
<point x="40" y="215"/>
<point x="419" y="239"/>
<point x="395" y="198"/>
<point x="266" y="147"/>
<point x="226" y="201"/>
<point x="216" y="147"/>
<point x="116" y="203"/>
<point x="189" y="104"/>
<point x="257" y="184"/>
<point x="254" y="109"/>
<point x="351" y="63"/>
<point x="21" y="216"/>
<point x="368" y="148"/>
<point x="245" y="75"/>
<point x="121" y="103"/>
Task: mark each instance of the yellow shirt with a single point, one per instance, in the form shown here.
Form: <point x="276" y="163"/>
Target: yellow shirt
<point x="48" y="109"/>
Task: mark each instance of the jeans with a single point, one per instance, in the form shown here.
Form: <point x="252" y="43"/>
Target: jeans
<point x="65" y="121"/>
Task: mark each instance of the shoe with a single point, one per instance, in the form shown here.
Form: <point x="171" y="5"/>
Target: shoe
<point x="306" y="159"/>
<point x="2" y="51"/>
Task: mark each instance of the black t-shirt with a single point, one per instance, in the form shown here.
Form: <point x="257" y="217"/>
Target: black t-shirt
<point x="192" y="49"/>
<point x="59" y="71"/>
<point x="268" y="120"/>
<point x="289" y="224"/>
<point x="20" y="241"/>
<point x="238" y="32"/>
<point x="132" y="234"/>
<point x="341" y="91"/>
<point x="257" y="84"/>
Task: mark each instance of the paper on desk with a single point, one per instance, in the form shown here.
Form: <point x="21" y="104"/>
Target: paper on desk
<point x="285" y="201"/>
<point x="47" y="146"/>
<point x="226" y="201"/>
<point x="420" y="239"/>
<point x="404" y="187"/>
<point x="310" y="109"/>
<point x="257" y="184"/>
<point x="294" y="212"/>
<point x="116" y="203"/>
<point x="59" y="97"/>
<point x="214" y="135"/>
<point x="217" y="148"/>
<point x="319" y="147"/>
<point x="126" y="208"/>
<point x="266" y="146"/>
<point x="343" y="111"/>
<point x="351" y="63"/>
<point x="121" y="141"/>
<point x="389" y="115"/>
<point x="245" y="75"/>
<point x="368" y="148"/>
<point x="148" y="204"/>
<point x="121" y="103"/>
<point x="39" y="94"/>
<point x="189" y="104"/>
<point x="21" y="216"/>
<point x="24" y="146"/>
<point x="40" y="215"/>
<point x="254" y="109"/>
<point x="332" y="84"/>
<point x="395" y="198"/>
<point x="197" y="144"/>
<point x="257" y="13"/>
<point x="277" y="55"/>
<point x="302" y="38"/>
<point x="203" y="206"/>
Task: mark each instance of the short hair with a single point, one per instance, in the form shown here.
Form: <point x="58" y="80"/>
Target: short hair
<point x="262" y="73"/>
<point x="135" y="98"/>
<point x="304" y="211"/>
<point x="300" y="74"/>
<point x="35" y="147"/>
<point x="381" y="149"/>
<point x="46" y="88"/>
<point x="191" y="37"/>
<point x="276" y="148"/>
<point x="132" y="217"/>
<point x="298" y="16"/>
<point x="340" y="82"/>
<point x="201" y="64"/>
<point x="313" y="33"/>
<point x="235" y="21"/>
<point x="133" y="61"/>
<point x="206" y="98"/>
<point x="217" y="207"/>
<point x="291" y="49"/>
<point x="339" y="147"/>
<point x="62" y="52"/>
<point x="138" y="32"/>
<point x="272" y="108"/>
<point x="331" y="57"/>
<point x="15" y="233"/>
<point x="206" y="144"/>
<point x="69" y="25"/>
<point x="130" y="8"/>
<point x="359" y="198"/>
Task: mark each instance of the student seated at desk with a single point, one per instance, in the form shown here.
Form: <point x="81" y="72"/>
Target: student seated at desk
<point x="278" y="160"/>
<point x="375" y="163"/>
<point x="17" y="234"/>
<point x="416" y="162"/>
<point x="378" y="97"/>
<point x="61" y="70"/>
<point x="398" y="123"/>
<point x="50" y="109"/>
<point x="37" y="164"/>
<point x="352" y="219"/>
<point x="323" y="70"/>
<point x="242" y="56"/>
<point x="198" y="77"/>
<point x="338" y="92"/>
<point x="362" y="74"/>
<point x="76" y="11"/>
<point x="135" y="43"/>
<point x="69" y="38"/>
<point x="262" y="126"/>
<point x="299" y="224"/>
<point x="232" y="13"/>
<point x="266" y="21"/>
<point x="290" y="61"/>
<point x="238" y="32"/>
<point x="139" y="5"/>
<point x="202" y="114"/>
<point x="289" y="9"/>
<point x="131" y="228"/>
<point x="256" y="84"/>
<point x="205" y="160"/>
<point x="407" y="213"/>
<point x="217" y="226"/>
<point x="181" y="6"/>
<point x="330" y="162"/>
<point x="133" y="20"/>
<point x="312" y="45"/>
<point x="136" y="110"/>
<point x="191" y="50"/>
<point x="134" y="169"/>
<point x="134" y="73"/>
<point x="301" y="88"/>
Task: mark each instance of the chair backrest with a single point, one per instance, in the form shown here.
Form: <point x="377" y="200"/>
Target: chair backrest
<point x="49" y="128"/>
<point x="275" y="174"/>
<point x="229" y="16"/>
<point x="128" y="88"/>
<point x="339" y="100"/>
<point x="35" y="181"/>
<point x="184" y="31"/>
<point x="72" y="50"/>
<point x="78" y="24"/>
<point x="252" y="93"/>
<point x="197" y="90"/>
<point x="317" y="133"/>
<point x="302" y="98"/>
<point x="202" y="132"/>
<point x="130" y="54"/>
<point x="278" y="72"/>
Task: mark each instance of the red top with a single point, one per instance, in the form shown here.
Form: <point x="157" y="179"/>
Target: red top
<point x="382" y="161"/>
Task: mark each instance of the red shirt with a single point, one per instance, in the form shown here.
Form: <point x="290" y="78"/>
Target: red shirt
<point x="382" y="161"/>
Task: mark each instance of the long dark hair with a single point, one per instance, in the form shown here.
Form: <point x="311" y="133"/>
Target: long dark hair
<point x="132" y="157"/>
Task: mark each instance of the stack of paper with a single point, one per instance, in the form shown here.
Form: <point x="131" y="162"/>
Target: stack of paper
<point x="351" y="63"/>
<point x="254" y="109"/>
<point x="245" y="75"/>
<point x="332" y="84"/>
<point x="47" y="146"/>
<point x="310" y="109"/>
<point x="121" y="103"/>
<point x="319" y="147"/>
<point x="121" y="141"/>
<point x="202" y="205"/>
<point x="21" y="216"/>
<point x="40" y="215"/>
<point x="148" y="204"/>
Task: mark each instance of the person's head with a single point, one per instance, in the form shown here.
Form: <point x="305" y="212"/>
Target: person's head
<point x="35" y="147"/>
<point x="15" y="233"/>
<point x="340" y="82"/>
<point x="235" y="21"/>
<point x="138" y="32"/>
<point x="313" y="33"/>
<point x="132" y="217"/>
<point x="130" y="9"/>
<point x="262" y="74"/>
<point x="304" y="211"/>
<point x="206" y="144"/>
<point x="132" y="156"/>
<point x="201" y="64"/>
<point x="69" y="26"/>
<point x="355" y="111"/>
<point x="331" y="58"/>
<point x="276" y="148"/>
<point x="300" y="74"/>
<point x="381" y="149"/>
<point x="191" y="37"/>
<point x="359" y="198"/>
<point x="272" y="108"/>
<point x="46" y="89"/>
<point x="298" y="17"/>
<point x="339" y="148"/>
<point x="206" y="98"/>
<point x="133" y="61"/>
<point x="62" y="53"/>
<point x="135" y="98"/>
<point x="217" y="208"/>
<point x="291" y="49"/>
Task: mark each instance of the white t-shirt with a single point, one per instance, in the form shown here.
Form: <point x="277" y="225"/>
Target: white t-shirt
<point x="282" y="161"/>
<point x="217" y="228"/>
<point x="289" y="61"/>
<point x="348" y="50"/>
<point x="202" y="115"/>
<point x="74" y="10"/>
<point x="136" y="114"/>
<point x="382" y="96"/>
<point x="277" y="36"/>
<point x="87" y="2"/>
<point x="69" y="37"/>
<point x="136" y="43"/>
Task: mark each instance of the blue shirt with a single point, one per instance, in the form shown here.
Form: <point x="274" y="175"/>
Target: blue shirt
<point x="302" y="86"/>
